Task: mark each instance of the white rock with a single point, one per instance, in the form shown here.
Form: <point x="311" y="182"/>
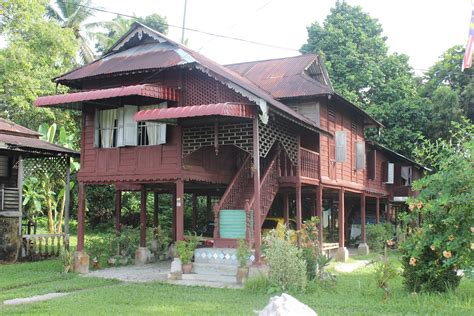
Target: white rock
<point x="286" y="305"/>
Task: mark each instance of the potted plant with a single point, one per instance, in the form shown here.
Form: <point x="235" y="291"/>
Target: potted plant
<point x="243" y="253"/>
<point x="185" y="251"/>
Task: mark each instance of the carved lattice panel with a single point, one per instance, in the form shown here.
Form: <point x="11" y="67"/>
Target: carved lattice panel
<point x="237" y="134"/>
<point x="278" y="130"/>
<point x="36" y="167"/>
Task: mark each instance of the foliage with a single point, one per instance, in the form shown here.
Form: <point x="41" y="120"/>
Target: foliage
<point x="185" y="248"/>
<point x="377" y="235"/>
<point x="36" y="50"/>
<point x="72" y="14"/>
<point x="323" y="276"/>
<point x="384" y="272"/>
<point x="162" y="238"/>
<point x="353" y="46"/>
<point x="309" y="245"/>
<point x="67" y="260"/>
<point x="117" y="27"/>
<point x="243" y="253"/>
<point x="447" y="73"/>
<point x="442" y="244"/>
<point x="32" y="197"/>
<point x="258" y="284"/>
<point x="287" y="267"/>
<point x="97" y="246"/>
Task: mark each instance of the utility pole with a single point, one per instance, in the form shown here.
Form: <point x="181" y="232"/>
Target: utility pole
<point x="184" y="21"/>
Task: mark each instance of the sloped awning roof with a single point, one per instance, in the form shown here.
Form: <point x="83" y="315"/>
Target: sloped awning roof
<point x="219" y="109"/>
<point x="33" y="146"/>
<point x="145" y="90"/>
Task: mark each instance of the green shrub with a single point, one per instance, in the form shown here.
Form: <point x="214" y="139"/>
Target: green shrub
<point x="384" y="272"/>
<point x="185" y="248"/>
<point x="243" y="253"/>
<point x="377" y="235"/>
<point x="433" y="252"/>
<point x="309" y="245"/>
<point x="258" y="285"/>
<point x="287" y="267"/>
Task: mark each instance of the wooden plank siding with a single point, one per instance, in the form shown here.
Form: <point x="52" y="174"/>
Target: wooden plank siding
<point x="161" y="162"/>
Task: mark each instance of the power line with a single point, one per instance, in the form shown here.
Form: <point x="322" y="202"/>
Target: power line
<point x="190" y="29"/>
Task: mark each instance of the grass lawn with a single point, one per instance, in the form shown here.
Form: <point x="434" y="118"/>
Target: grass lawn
<point x="354" y="294"/>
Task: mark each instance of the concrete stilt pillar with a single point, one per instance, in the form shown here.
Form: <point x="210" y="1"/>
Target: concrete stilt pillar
<point x="342" y="253"/>
<point x="363" y="248"/>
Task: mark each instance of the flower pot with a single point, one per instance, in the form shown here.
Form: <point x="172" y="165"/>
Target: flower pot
<point x="242" y="273"/>
<point x="187" y="268"/>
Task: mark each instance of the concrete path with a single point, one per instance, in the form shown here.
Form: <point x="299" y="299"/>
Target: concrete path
<point x="34" y="299"/>
<point x="146" y="273"/>
<point x="348" y="267"/>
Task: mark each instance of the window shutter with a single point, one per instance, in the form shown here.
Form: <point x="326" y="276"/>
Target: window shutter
<point x="130" y="127"/>
<point x="360" y="155"/>
<point x="371" y="163"/>
<point x="388" y="172"/>
<point x="96" y="129"/>
<point x="340" y="146"/>
<point x="120" y="128"/>
<point x="4" y="166"/>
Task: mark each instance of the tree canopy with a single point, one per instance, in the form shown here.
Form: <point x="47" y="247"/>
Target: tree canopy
<point x="36" y="50"/>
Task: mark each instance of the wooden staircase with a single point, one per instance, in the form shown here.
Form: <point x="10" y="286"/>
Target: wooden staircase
<point x="240" y="190"/>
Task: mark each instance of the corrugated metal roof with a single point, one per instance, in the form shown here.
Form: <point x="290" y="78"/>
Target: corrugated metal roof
<point x="142" y="57"/>
<point x="284" y="77"/>
<point x="147" y="90"/>
<point x="219" y="109"/>
<point x="8" y="127"/>
<point x="168" y="53"/>
<point x="33" y="145"/>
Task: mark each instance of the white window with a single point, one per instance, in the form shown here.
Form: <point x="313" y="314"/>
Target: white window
<point x="360" y="155"/>
<point x="407" y="175"/>
<point x="117" y="128"/>
<point x="340" y="146"/>
<point x="389" y="174"/>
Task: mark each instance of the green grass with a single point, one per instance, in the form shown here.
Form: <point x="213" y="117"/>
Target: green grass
<point x="354" y="294"/>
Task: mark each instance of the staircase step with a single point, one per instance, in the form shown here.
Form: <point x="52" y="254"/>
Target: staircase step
<point x="215" y="269"/>
<point x="225" y="256"/>
<point x="209" y="278"/>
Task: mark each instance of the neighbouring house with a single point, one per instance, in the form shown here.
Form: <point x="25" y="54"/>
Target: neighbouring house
<point x="23" y="154"/>
<point x="256" y="138"/>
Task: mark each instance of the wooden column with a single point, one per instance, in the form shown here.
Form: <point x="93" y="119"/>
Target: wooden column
<point x="67" y="195"/>
<point x="286" y="208"/>
<point x="81" y="216"/>
<point x="341" y="218"/>
<point x="20" y="193"/>
<point x="194" y="211"/>
<point x="156" y="209"/>
<point x="118" y="210"/>
<point x="256" y="190"/>
<point x="173" y="207"/>
<point x="362" y="218"/>
<point x="319" y="212"/>
<point x="377" y="210"/>
<point x="179" y="210"/>
<point x="143" y="216"/>
<point x="298" y="188"/>
<point x="208" y="208"/>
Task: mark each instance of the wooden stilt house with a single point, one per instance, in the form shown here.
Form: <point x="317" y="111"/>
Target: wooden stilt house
<point x="159" y="117"/>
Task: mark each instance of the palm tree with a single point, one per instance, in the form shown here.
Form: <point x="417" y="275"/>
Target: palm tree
<point x="72" y="14"/>
<point x="110" y="32"/>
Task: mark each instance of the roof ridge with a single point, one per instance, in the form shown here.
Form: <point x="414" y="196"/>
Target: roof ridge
<point x="270" y="59"/>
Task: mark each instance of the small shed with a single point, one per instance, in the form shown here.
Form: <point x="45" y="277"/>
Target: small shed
<point x="22" y="152"/>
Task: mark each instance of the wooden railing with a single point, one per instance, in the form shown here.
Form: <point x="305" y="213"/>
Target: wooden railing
<point x="268" y="186"/>
<point x="43" y="246"/>
<point x="9" y="199"/>
<point x="309" y="162"/>
<point x="234" y="192"/>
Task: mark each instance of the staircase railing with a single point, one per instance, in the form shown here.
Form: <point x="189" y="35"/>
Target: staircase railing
<point x="268" y="186"/>
<point x="233" y="192"/>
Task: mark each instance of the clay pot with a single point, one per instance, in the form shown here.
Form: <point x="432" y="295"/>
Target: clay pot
<point x="187" y="268"/>
<point x="242" y="273"/>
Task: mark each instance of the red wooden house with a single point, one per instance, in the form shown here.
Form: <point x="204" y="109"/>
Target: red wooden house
<point x="159" y="117"/>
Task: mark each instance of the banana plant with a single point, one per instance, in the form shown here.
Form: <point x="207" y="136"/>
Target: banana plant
<point x="32" y="197"/>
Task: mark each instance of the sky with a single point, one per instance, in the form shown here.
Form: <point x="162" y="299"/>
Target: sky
<point x="421" y="29"/>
